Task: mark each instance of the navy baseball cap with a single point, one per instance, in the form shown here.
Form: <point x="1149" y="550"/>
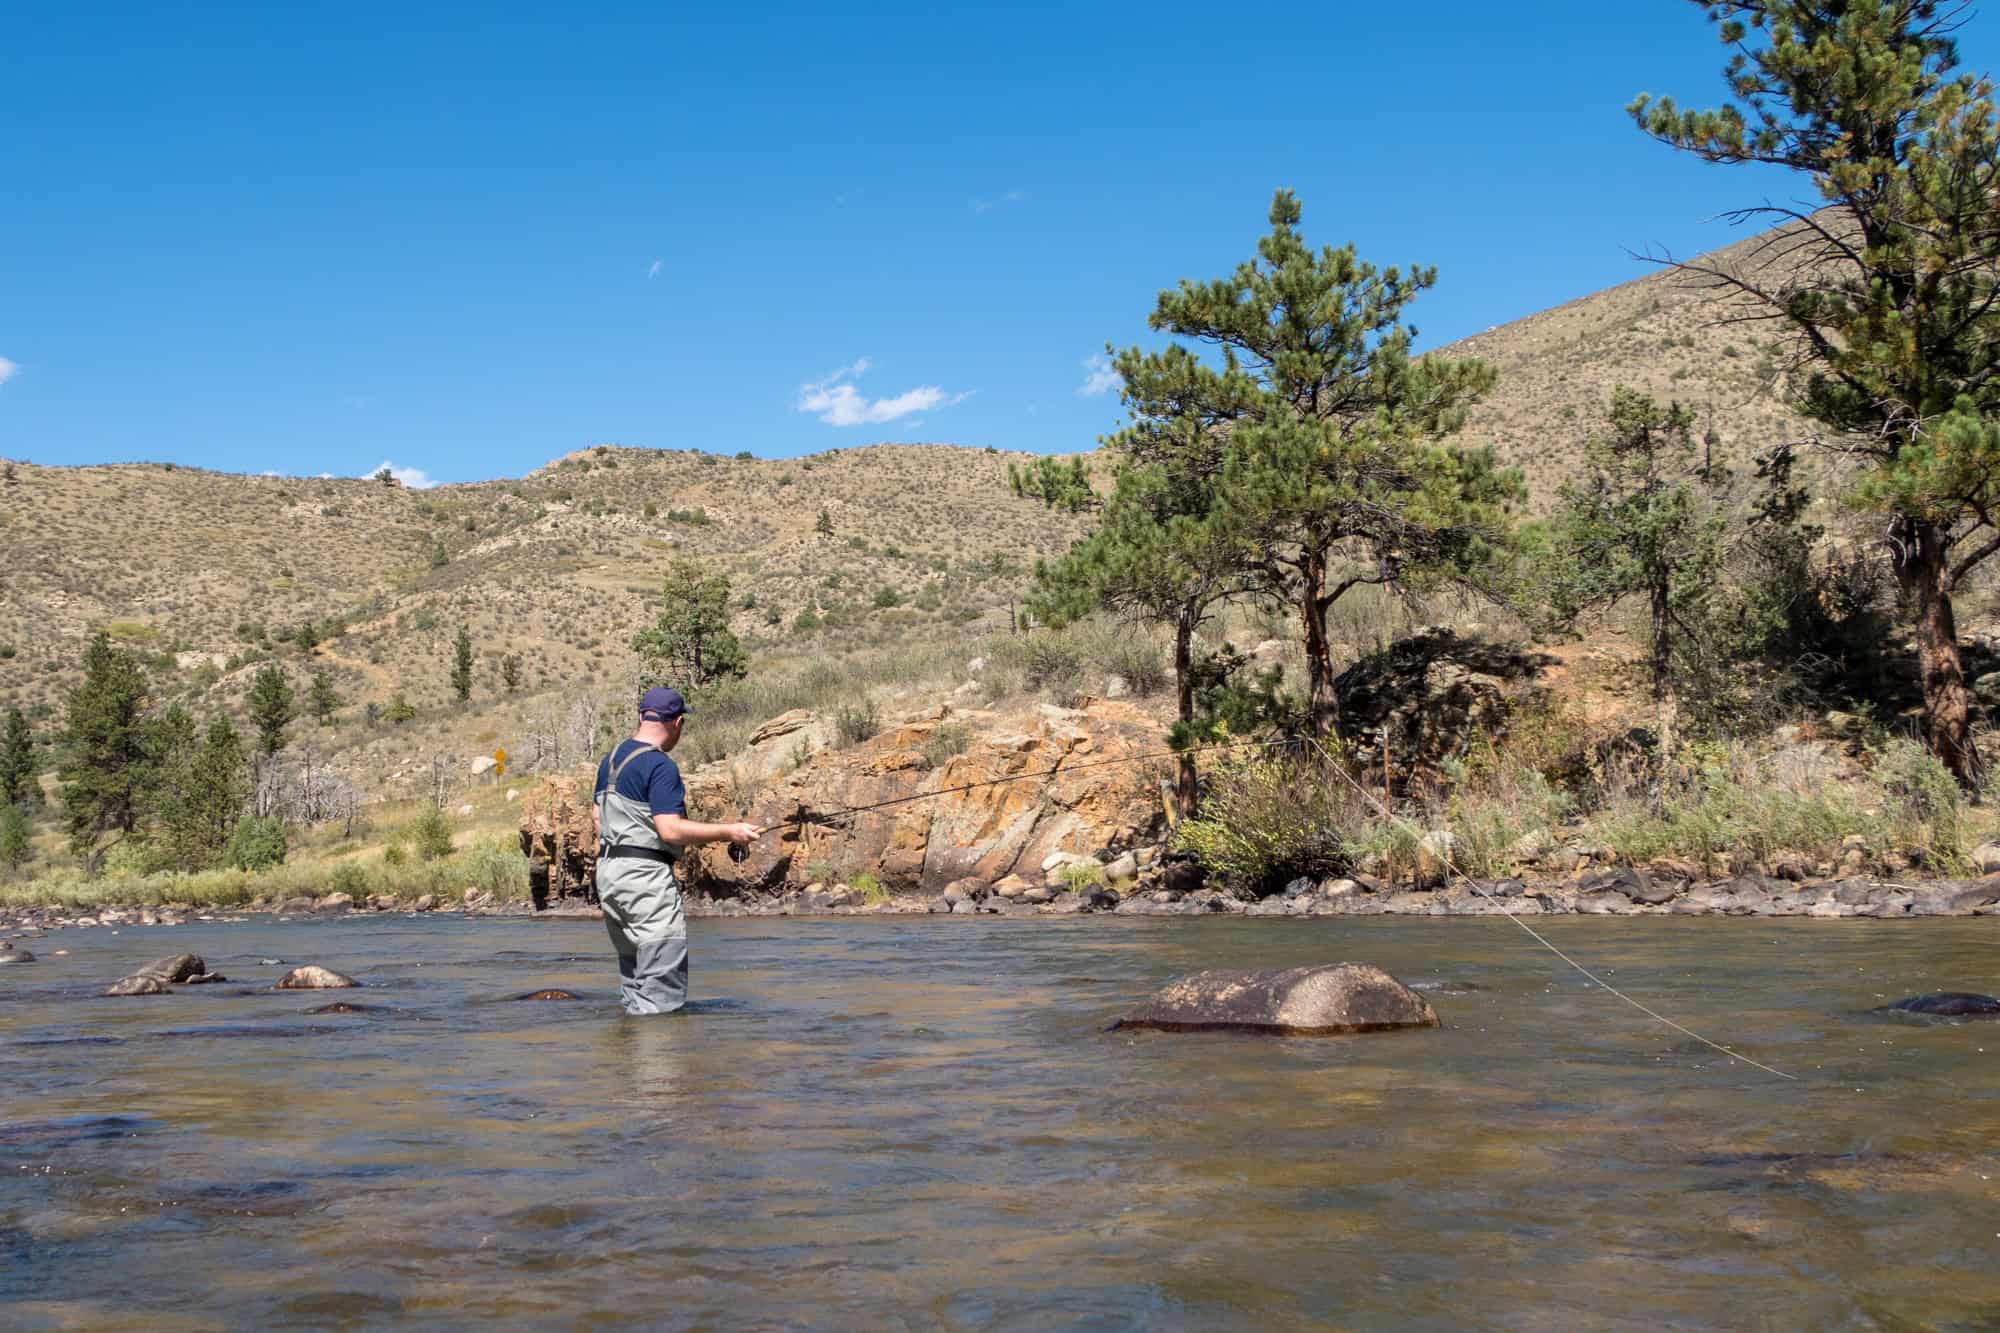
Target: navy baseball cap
<point x="661" y="704"/>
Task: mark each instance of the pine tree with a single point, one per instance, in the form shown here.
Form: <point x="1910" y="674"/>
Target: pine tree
<point x="322" y="699"/>
<point x="510" y="672"/>
<point x="306" y="637"/>
<point x="1887" y="293"/>
<point x="461" y="666"/>
<point x="1333" y="470"/>
<point x="824" y="524"/>
<point x="691" y="646"/>
<point x="15" y="848"/>
<point x="204" y="789"/>
<point x="271" y="708"/>
<point x="1644" y="519"/>
<point x="104" y="768"/>
<point x="18" y="762"/>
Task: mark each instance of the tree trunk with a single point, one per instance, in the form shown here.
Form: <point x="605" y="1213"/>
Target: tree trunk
<point x="1184" y="789"/>
<point x="1923" y="573"/>
<point x="1322" y="708"/>
<point x="1666" y="706"/>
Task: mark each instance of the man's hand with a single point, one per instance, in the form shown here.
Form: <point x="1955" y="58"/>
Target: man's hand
<point x="742" y="834"/>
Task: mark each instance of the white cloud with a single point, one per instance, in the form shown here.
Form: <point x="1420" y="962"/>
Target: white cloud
<point x="1098" y="376"/>
<point x="653" y="269"/>
<point x="837" y="402"/>
<point x="414" y="478"/>
<point x="988" y="205"/>
<point x="8" y="369"/>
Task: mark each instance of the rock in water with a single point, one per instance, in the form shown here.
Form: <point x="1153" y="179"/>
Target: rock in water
<point x="341" y="1007"/>
<point x="549" y="993"/>
<point x="1946" y="1004"/>
<point x="177" y="967"/>
<point x="1299" y="1001"/>
<point x="311" y="977"/>
<point x="143" y="983"/>
<point x="9" y="954"/>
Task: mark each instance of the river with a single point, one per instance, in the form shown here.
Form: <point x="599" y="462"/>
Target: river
<point x="881" y="1123"/>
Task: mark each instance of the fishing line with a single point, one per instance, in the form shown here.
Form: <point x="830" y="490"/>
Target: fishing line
<point x="1538" y="937"/>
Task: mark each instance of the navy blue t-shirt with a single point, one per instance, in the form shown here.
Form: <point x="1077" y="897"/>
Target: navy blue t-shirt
<point x="652" y="778"/>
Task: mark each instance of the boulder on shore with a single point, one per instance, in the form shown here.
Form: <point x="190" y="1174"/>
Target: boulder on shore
<point x="1327" y="999"/>
<point x="312" y="977"/>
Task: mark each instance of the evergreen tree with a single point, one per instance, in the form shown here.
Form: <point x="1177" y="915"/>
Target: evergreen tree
<point x="15" y="849"/>
<point x="461" y="666"/>
<point x="104" y="755"/>
<point x="1644" y="519"/>
<point x="399" y="710"/>
<point x="1887" y="293"/>
<point x="18" y="762"/>
<point x="691" y="646"/>
<point x="510" y="672"/>
<point x="271" y="708"/>
<point x="1161" y="552"/>
<point x="1332" y="471"/>
<point x="306" y="637"/>
<point x="824" y="524"/>
<point x="204" y="789"/>
<point x="322" y="699"/>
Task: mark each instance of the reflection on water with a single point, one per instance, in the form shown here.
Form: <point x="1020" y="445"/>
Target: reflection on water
<point x="886" y="1123"/>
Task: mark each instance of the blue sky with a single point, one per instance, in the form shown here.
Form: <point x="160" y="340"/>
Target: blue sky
<point x="469" y="239"/>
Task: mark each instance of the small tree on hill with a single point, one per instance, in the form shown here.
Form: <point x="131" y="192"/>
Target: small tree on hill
<point x="399" y="710"/>
<point x="1643" y="520"/>
<point x="322" y="699"/>
<point x="461" y="665"/>
<point x="1889" y="293"/>
<point x="691" y="645"/>
<point x="18" y="762"/>
<point x="104" y="768"/>
<point x="824" y="524"/>
<point x="15" y="848"/>
<point x="386" y="476"/>
<point x="271" y="708"/>
<point x="510" y="672"/>
<point x="306" y="637"/>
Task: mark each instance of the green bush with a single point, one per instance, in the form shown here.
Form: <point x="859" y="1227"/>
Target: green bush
<point x="946" y="740"/>
<point x="348" y="877"/>
<point x="1080" y="875"/>
<point x="869" y="887"/>
<point x="1268" y="819"/>
<point x="497" y="867"/>
<point x="393" y="855"/>
<point x="1924" y="806"/>
<point x="856" y="722"/>
<point x="1142" y="665"/>
<point x="258" y="843"/>
<point x="430" y="834"/>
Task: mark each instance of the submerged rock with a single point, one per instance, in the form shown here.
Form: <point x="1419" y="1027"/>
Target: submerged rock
<point x="1299" y="1001"/>
<point x="341" y="1007"/>
<point x="1946" y="1004"/>
<point x="312" y="977"/>
<point x="142" y="983"/>
<point x="549" y="993"/>
<point x="9" y="954"/>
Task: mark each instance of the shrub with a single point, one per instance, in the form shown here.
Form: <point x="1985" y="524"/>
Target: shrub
<point x="258" y="843"/>
<point x="393" y="855"/>
<point x="1142" y="666"/>
<point x="1268" y="819"/>
<point x="946" y="740"/>
<point x="1924" y="806"/>
<point x="348" y="877"/>
<point x="886" y="597"/>
<point x="1080" y="875"/>
<point x="430" y="834"/>
<point x="497" y="866"/>
<point x="1052" y="663"/>
<point x="856" y="722"/>
<point x="869" y="887"/>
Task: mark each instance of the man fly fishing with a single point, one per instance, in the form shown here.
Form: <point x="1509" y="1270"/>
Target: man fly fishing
<point x="640" y="809"/>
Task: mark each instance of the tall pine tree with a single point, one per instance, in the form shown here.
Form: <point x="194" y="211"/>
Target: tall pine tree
<point x="18" y="762"/>
<point x="271" y="708"/>
<point x="691" y="645"/>
<point x="202" y="796"/>
<point x="1889" y="292"/>
<point x="1334" y="471"/>
<point x="105" y="764"/>
<point x="461" y="665"/>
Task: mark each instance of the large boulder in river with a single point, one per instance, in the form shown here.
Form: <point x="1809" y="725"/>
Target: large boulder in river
<point x="177" y="967"/>
<point x="1299" y="1001"/>
<point x="313" y="977"/>
<point x="142" y="983"/>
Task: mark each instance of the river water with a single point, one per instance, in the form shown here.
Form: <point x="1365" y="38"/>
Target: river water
<point x="903" y="1122"/>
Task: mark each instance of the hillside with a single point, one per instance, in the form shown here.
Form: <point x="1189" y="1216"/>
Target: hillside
<point x="211" y="575"/>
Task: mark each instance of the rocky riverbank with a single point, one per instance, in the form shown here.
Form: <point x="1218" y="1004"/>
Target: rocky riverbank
<point x="1615" y="892"/>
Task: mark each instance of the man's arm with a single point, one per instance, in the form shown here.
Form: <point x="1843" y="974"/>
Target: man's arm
<point x="680" y="831"/>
